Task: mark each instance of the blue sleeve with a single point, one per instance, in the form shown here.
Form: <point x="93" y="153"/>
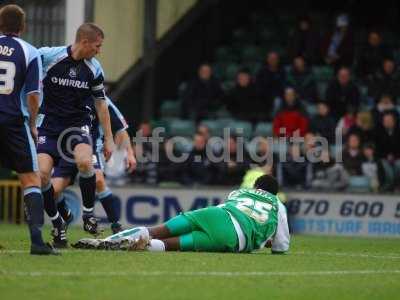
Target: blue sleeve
<point x="33" y="77"/>
<point x="118" y="122"/>
<point x="97" y="85"/>
<point x="50" y="56"/>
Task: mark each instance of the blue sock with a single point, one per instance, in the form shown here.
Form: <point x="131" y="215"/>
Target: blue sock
<point x="34" y="213"/>
<point x="50" y="205"/>
<point x="107" y="201"/>
<point x="87" y="183"/>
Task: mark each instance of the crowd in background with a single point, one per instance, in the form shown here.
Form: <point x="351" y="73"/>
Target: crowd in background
<point x="281" y="95"/>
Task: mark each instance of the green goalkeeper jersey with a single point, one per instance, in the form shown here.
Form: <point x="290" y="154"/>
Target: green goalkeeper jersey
<point x="257" y="214"/>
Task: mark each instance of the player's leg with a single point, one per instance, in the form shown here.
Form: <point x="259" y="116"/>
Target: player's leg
<point x="19" y="153"/>
<point x="46" y="164"/>
<point x="194" y="241"/>
<point x="64" y="174"/>
<point x="106" y="198"/>
<point x="87" y="183"/>
<point x="176" y="226"/>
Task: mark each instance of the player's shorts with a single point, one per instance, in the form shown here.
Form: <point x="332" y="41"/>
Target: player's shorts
<point x="211" y="230"/>
<point x="17" y="147"/>
<point x="63" y="145"/>
<point x="68" y="169"/>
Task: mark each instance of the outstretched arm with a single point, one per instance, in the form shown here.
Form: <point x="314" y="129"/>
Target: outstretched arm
<point x="122" y="141"/>
<point x="104" y="120"/>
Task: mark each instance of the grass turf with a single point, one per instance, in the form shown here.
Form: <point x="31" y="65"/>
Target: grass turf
<point x="315" y="268"/>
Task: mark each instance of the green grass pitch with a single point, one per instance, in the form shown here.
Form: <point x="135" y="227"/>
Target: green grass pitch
<point x="316" y="268"/>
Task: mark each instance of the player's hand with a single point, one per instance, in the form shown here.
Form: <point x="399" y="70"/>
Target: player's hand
<point x="109" y="147"/>
<point x="130" y="163"/>
<point x="34" y="133"/>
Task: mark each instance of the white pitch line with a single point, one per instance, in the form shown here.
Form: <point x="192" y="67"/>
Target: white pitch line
<point x="194" y="274"/>
<point x="349" y="254"/>
<point x="389" y="256"/>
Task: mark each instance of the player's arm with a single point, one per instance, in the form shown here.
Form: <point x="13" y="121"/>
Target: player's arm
<point x="104" y="120"/>
<point x="103" y="114"/>
<point x="121" y="136"/>
<point x="122" y="141"/>
<point x="33" y="88"/>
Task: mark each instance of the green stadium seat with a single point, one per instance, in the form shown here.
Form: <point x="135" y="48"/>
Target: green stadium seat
<point x="170" y="109"/>
<point x="311" y="110"/>
<point x="359" y="184"/>
<point x="213" y="126"/>
<point x="184" y="145"/>
<point x="183" y="128"/>
<point x="323" y="73"/>
<point x="241" y="128"/>
<point x="250" y="53"/>
<point x="263" y="129"/>
<point x="231" y="71"/>
<point x="228" y="85"/>
<point x="321" y="88"/>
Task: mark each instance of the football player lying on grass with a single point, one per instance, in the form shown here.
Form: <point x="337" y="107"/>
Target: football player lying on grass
<point x="248" y="220"/>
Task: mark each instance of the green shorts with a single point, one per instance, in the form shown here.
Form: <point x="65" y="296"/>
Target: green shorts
<point x="209" y="229"/>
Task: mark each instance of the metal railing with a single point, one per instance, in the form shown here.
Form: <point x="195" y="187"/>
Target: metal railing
<point x="45" y="21"/>
<point x="11" y="202"/>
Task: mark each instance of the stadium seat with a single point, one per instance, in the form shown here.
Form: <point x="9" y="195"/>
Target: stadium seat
<point x="241" y="128"/>
<point x="250" y="53"/>
<point x="321" y="88"/>
<point x="213" y="126"/>
<point x="184" y="145"/>
<point x="231" y="71"/>
<point x="170" y="109"/>
<point x="263" y="129"/>
<point x="359" y="184"/>
<point x="183" y="128"/>
<point x="323" y="73"/>
<point x="311" y="110"/>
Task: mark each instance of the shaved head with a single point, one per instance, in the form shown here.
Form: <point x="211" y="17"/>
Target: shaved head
<point x="89" y="31"/>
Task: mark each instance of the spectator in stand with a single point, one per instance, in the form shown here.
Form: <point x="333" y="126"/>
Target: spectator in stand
<point x="291" y="119"/>
<point x="166" y="169"/>
<point x="242" y="101"/>
<point x="323" y="124"/>
<point x="371" y="56"/>
<point x="352" y="155"/>
<point x="328" y="175"/>
<point x="338" y="46"/>
<point x="295" y="171"/>
<point x="146" y="168"/>
<point x="372" y="167"/>
<point x="304" y="41"/>
<point x="202" y="96"/>
<point x="387" y="140"/>
<point x="266" y="158"/>
<point x="346" y="122"/>
<point x="302" y="79"/>
<point x="231" y="170"/>
<point x="270" y="83"/>
<point x="341" y="93"/>
<point x="385" y="104"/>
<point x="363" y="127"/>
<point x="385" y="81"/>
<point x="196" y="169"/>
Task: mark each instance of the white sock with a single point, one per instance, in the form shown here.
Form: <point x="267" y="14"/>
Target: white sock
<point x="132" y="233"/>
<point x="156" y="246"/>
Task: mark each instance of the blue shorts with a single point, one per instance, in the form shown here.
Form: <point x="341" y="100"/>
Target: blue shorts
<point x="67" y="169"/>
<point x="62" y="146"/>
<point x="17" y="147"/>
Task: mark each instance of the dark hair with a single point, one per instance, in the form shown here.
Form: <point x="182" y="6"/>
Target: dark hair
<point x="267" y="183"/>
<point x="89" y="31"/>
<point x="12" y="19"/>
